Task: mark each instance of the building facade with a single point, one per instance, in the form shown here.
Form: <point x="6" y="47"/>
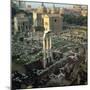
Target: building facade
<point x="22" y="22"/>
<point x="53" y="22"/>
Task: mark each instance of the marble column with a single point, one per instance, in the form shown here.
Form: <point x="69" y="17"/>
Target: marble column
<point x="47" y="45"/>
<point x="44" y="53"/>
<point x="50" y="38"/>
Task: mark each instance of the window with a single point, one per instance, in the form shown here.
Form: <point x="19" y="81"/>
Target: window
<point x="55" y="20"/>
<point x="18" y="27"/>
<point x="23" y="23"/>
<point x="26" y="27"/>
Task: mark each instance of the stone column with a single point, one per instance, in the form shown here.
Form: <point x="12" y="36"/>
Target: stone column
<point x="48" y="48"/>
<point x="51" y="49"/>
<point x="15" y="25"/>
<point x="44" y="53"/>
<point x="47" y="45"/>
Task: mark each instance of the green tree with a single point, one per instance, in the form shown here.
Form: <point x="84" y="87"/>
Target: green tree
<point x="77" y="20"/>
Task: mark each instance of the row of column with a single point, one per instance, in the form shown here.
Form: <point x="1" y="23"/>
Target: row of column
<point x="47" y="52"/>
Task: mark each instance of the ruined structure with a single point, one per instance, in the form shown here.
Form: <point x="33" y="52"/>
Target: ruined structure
<point x="47" y="45"/>
<point x="53" y="22"/>
<point x="22" y="21"/>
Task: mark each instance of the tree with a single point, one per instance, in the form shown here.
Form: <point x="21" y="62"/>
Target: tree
<point x="77" y="20"/>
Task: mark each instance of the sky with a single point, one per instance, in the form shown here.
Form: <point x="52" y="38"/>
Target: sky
<point x="34" y="5"/>
<point x="37" y="4"/>
<point x="49" y="4"/>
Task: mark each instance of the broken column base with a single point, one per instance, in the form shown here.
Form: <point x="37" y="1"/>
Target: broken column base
<point x="47" y="62"/>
